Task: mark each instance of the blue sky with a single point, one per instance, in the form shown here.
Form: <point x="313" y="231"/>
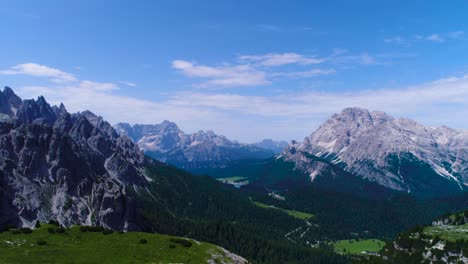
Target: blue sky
<point x="245" y="69"/>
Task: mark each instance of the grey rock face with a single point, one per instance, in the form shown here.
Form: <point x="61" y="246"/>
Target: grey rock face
<point x="73" y="168"/>
<point x="9" y="102"/>
<point x="203" y="149"/>
<point x="396" y="153"/>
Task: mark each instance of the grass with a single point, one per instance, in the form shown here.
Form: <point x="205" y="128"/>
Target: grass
<point x="353" y="246"/>
<point x="75" y="246"/>
<point x="450" y="233"/>
<point x="293" y="213"/>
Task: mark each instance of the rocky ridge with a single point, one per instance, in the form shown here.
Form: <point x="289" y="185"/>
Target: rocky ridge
<point x="73" y="168"/>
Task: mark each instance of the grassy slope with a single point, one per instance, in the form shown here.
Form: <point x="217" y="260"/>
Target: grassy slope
<point x="75" y="246"/>
<point x="450" y="233"/>
<point x="293" y="213"/>
<point x="356" y="247"/>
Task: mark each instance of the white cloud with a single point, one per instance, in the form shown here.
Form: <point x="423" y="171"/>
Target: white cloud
<point x="279" y="59"/>
<point x="238" y="75"/>
<point x="398" y="40"/>
<point x="99" y="86"/>
<point x="367" y="59"/>
<point x="253" y="70"/>
<point x="435" y="38"/>
<point x="456" y="34"/>
<point x="37" y="70"/>
<point x="127" y="83"/>
<point x="304" y="74"/>
<point x="338" y="51"/>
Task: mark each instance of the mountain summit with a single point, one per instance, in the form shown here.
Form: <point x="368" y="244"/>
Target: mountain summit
<point x="397" y="153"/>
<point x="203" y="149"/>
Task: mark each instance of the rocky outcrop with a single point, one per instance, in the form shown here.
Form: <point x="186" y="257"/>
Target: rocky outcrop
<point x="73" y="168"/>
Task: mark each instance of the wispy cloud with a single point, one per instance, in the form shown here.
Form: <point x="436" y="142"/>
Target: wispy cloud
<point x="238" y="75"/>
<point x="456" y="34"/>
<point x="253" y="70"/>
<point x="265" y="69"/>
<point x="433" y="37"/>
<point x="38" y="70"/>
<point x="127" y="83"/>
<point x="279" y="59"/>
<point x="398" y="40"/>
<point x="303" y="74"/>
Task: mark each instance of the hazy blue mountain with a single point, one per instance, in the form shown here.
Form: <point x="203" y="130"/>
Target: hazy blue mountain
<point x="203" y="149"/>
<point x="275" y="146"/>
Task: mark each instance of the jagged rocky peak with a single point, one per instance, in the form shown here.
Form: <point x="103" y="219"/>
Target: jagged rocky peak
<point x="99" y="123"/>
<point x="28" y="111"/>
<point x="137" y="131"/>
<point x="73" y="168"/>
<point x="169" y="125"/>
<point x="9" y="102"/>
<point x="59" y="110"/>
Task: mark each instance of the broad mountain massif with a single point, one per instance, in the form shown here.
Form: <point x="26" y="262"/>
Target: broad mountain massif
<point x="399" y="154"/>
<point x="360" y="175"/>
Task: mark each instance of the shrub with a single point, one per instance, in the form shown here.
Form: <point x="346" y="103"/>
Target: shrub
<point x="181" y="241"/>
<point x="91" y="228"/>
<point x="121" y="232"/>
<point x="53" y="222"/>
<point x="41" y="242"/>
<point x="26" y="230"/>
<point x="38" y="224"/>
<point x="60" y="230"/>
<point x="51" y="230"/>
<point x="143" y="241"/>
<point x="172" y="246"/>
<point x="15" y="232"/>
<point x="6" y="227"/>
<point x="107" y="231"/>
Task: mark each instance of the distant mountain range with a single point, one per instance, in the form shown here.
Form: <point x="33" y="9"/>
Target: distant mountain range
<point x="275" y="146"/>
<point x="203" y="149"/>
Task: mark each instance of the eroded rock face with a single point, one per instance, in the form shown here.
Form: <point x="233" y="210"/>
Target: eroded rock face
<point x="73" y="168"/>
<point x="397" y="153"/>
